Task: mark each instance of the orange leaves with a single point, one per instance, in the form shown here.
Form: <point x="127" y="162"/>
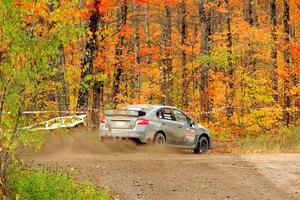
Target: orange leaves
<point x="106" y="5"/>
<point x="295" y="53"/>
<point x="41" y="12"/>
<point x="295" y="11"/>
<point x="103" y="6"/>
<point x="38" y="8"/>
<point x="24" y="4"/>
<point x="84" y="15"/>
<point x="156" y="2"/>
<point x="4" y="48"/>
<point x="150" y="51"/>
<point x="126" y="31"/>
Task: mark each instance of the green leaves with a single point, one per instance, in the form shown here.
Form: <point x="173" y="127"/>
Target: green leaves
<point x="30" y="37"/>
<point x="216" y="60"/>
<point x="47" y="185"/>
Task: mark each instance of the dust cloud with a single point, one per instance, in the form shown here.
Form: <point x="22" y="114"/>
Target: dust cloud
<point x="81" y="141"/>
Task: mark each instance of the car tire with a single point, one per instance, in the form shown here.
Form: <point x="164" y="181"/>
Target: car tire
<point x="159" y="139"/>
<point x="202" y="146"/>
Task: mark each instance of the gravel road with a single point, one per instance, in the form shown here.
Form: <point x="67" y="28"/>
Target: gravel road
<point x="147" y="172"/>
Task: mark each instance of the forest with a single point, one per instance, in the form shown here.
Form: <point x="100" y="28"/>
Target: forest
<point x="232" y="65"/>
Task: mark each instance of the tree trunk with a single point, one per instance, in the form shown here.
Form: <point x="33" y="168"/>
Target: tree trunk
<point x="3" y="97"/>
<point x="183" y="34"/>
<point x="205" y="22"/>
<point x="273" y="16"/>
<point x="148" y="43"/>
<point x="148" y="59"/>
<point x="249" y="12"/>
<point x="97" y="71"/>
<point x="118" y="68"/>
<point x="286" y="86"/>
<point x="246" y="9"/>
<point x="254" y="11"/>
<point x="89" y="56"/>
<point x="195" y="24"/>
<point x="230" y="86"/>
<point x="136" y="24"/>
<point x="62" y="93"/>
<point x="167" y="79"/>
<point x="97" y="99"/>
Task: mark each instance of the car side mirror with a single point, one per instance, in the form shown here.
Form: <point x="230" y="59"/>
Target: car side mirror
<point x="192" y="123"/>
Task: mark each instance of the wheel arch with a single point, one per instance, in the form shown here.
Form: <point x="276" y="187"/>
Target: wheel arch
<point x="207" y="137"/>
<point x="162" y="132"/>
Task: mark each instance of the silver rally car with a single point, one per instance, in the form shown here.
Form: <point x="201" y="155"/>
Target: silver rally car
<point x="156" y="123"/>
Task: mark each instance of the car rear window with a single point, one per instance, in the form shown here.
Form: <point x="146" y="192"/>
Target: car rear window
<point x="138" y="108"/>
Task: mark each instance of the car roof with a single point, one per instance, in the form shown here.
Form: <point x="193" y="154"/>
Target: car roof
<point x="150" y="106"/>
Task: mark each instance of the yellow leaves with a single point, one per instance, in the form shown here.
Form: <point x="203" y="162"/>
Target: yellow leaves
<point x="261" y="120"/>
<point x="149" y="90"/>
<point x="33" y="8"/>
<point x="221" y="10"/>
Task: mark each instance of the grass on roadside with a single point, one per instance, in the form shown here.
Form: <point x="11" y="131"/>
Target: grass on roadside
<point x="45" y="185"/>
<point x="285" y="140"/>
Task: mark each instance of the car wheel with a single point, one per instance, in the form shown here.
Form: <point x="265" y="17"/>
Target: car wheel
<point x="159" y="139"/>
<point x="202" y="146"/>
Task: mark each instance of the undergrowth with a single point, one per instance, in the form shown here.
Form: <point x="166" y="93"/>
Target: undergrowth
<point x="283" y="140"/>
<point x="45" y="185"/>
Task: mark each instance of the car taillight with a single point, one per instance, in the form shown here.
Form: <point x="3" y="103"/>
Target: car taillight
<point x="103" y="121"/>
<point x="142" y="121"/>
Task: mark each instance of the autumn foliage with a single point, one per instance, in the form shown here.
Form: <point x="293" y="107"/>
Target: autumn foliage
<point x="150" y="51"/>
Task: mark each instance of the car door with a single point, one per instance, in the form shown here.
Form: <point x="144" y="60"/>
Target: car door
<point x="168" y="124"/>
<point x="183" y="126"/>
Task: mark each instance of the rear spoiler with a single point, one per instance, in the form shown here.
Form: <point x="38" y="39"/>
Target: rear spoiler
<point x="132" y="113"/>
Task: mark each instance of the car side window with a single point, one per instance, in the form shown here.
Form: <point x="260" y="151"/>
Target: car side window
<point x="180" y="116"/>
<point x="167" y="114"/>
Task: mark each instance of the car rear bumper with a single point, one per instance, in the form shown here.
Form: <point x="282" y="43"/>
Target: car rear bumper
<point x="141" y="133"/>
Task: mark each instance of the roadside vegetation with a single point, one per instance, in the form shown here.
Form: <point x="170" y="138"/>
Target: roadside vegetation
<point x="28" y="185"/>
<point x="282" y="140"/>
<point x="22" y="183"/>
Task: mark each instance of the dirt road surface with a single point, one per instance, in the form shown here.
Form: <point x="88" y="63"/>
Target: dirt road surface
<point x="133" y="171"/>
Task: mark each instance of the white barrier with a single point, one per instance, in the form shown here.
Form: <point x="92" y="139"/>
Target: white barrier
<point x="58" y="122"/>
